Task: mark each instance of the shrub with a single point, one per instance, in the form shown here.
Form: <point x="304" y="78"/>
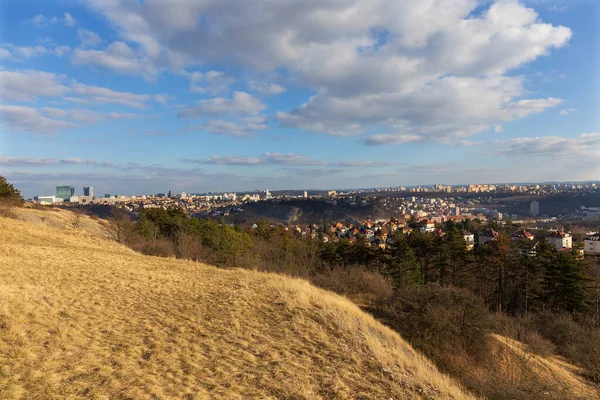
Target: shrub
<point x="357" y="283"/>
<point x="579" y="341"/>
<point x="441" y="321"/>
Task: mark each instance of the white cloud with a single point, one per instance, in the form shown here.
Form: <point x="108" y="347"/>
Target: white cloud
<point x="226" y="160"/>
<point x="467" y="143"/>
<point x="266" y="88"/>
<point x="265" y="159"/>
<point x="17" y="118"/>
<point x="382" y="139"/>
<point x="222" y="127"/>
<point x="5" y="54"/>
<point x="97" y="94"/>
<point x="363" y="164"/>
<point x="117" y="56"/>
<point x="84" y="116"/>
<point x="374" y="65"/>
<point x="12" y="52"/>
<point x="289" y="159"/>
<point x="567" y="111"/>
<point x="556" y="8"/>
<point x="27" y="85"/>
<point x="210" y="82"/>
<point x="498" y="129"/>
<point x="8" y="161"/>
<point x="43" y="21"/>
<point x="69" y="20"/>
<point x="164" y="99"/>
<point x="88" y="38"/>
<point x="586" y="145"/>
<point x="240" y="104"/>
<point x="40" y="162"/>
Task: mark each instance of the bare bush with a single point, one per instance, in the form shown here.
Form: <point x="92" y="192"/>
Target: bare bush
<point x="357" y="283"/>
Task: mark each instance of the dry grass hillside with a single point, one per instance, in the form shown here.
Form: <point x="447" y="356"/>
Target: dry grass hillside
<point x="548" y="376"/>
<point x="82" y="317"/>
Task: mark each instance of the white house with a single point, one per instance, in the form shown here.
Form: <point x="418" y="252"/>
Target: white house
<point x="591" y="244"/>
<point x="427" y="226"/>
<point x="469" y="239"/>
<point x="561" y="240"/>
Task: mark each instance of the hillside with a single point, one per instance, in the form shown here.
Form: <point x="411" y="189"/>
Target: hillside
<point x="84" y="317"/>
<point x="305" y="212"/>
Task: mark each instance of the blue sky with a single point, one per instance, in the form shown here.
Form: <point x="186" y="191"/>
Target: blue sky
<point x="148" y="96"/>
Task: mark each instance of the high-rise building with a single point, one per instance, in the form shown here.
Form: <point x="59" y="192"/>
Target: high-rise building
<point x="65" y="192"/>
<point x="305" y="194"/>
<point x="88" y="191"/>
<point x="534" y="208"/>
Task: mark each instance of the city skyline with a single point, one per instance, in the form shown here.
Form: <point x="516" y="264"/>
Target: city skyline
<point x="301" y="96"/>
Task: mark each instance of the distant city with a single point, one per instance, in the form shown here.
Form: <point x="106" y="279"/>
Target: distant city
<point x="225" y="203"/>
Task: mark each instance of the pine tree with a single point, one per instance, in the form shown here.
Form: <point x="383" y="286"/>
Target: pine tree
<point x="402" y="267"/>
<point x="8" y="193"/>
<point x="564" y="284"/>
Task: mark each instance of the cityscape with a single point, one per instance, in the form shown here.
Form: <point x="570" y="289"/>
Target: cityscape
<point x="406" y="208"/>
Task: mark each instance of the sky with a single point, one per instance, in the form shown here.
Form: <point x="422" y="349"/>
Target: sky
<point x="141" y="97"/>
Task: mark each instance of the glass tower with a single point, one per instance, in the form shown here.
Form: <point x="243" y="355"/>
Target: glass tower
<point x="65" y="192"/>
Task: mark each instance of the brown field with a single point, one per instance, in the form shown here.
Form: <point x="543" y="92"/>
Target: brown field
<point x="82" y="317"/>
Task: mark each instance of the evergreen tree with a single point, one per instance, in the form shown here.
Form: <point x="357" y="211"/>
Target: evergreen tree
<point x="402" y="266"/>
<point x="8" y="193"/>
<point x="457" y="256"/>
<point x="564" y="284"/>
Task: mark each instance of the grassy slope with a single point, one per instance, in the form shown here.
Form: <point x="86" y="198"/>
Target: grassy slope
<point x="84" y="317"/>
<point x="544" y="375"/>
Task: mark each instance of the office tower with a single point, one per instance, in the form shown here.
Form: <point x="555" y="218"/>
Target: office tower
<point x="88" y="191"/>
<point x="65" y="192"/>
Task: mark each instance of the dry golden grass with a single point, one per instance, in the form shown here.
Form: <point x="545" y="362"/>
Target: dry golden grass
<point x="81" y="317"/>
<point x="543" y="375"/>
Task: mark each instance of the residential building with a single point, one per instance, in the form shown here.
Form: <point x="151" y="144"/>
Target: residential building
<point x="469" y="239"/>
<point x="487" y="236"/>
<point x="522" y="234"/>
<point x="591" y="244"/>
<point x="561" y="240"/>
<point x="427" y="226"/>
<point x="534" y="208"/>
<point x="85" y="199"/>
<point x="528" y="249"/>
<point x="88" y="191"/>
<point x="65" y="192"/>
